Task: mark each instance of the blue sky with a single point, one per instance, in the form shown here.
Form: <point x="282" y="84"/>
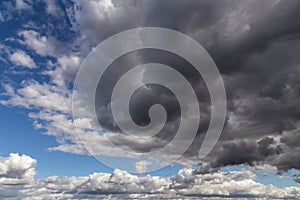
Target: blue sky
<point x="42" y="44"/>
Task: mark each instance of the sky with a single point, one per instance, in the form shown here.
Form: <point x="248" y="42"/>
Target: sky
<point x="46" y="153"/>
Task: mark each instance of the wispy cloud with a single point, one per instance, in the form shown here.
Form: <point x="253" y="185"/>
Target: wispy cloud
<point x="20" y="58"/>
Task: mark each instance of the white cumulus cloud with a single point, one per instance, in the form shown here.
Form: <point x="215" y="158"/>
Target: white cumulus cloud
<point x="17" y="169"/>
<point x="20" y="58"/>
<point x="17" y="182"/>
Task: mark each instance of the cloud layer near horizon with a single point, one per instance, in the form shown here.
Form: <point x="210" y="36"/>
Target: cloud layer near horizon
<point x="17" y="182"/>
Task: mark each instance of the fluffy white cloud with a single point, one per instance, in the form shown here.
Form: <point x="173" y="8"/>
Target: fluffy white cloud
<point x="141" y="166"/>
<point x="42" y="44"/>
<point x="17" y="181"/>
<point x="37" y="42"/>
<point x="229" y="184"/>
<point x="20" y="58"/>
<point x="21" y="4"/>
<point x="36" y="95"/>
<point x="66" y="70"/>
<point x="17" y="169"/>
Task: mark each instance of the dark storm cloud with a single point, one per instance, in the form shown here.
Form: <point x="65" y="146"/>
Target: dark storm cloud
<point x="246" y="152"/>
<point x="186" y="15"/>
<point x="297" y="178"/>
<point x="255" y="45"/>
<point x="265" y="29"/>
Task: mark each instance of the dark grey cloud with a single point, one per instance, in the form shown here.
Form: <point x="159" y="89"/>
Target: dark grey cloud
<point x="255" y="46"/>
<point x="296" y="178"/>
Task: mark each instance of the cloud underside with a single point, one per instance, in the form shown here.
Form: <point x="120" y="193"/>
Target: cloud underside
<point x="254" y="44"/>
<point x="17" y="182"/>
